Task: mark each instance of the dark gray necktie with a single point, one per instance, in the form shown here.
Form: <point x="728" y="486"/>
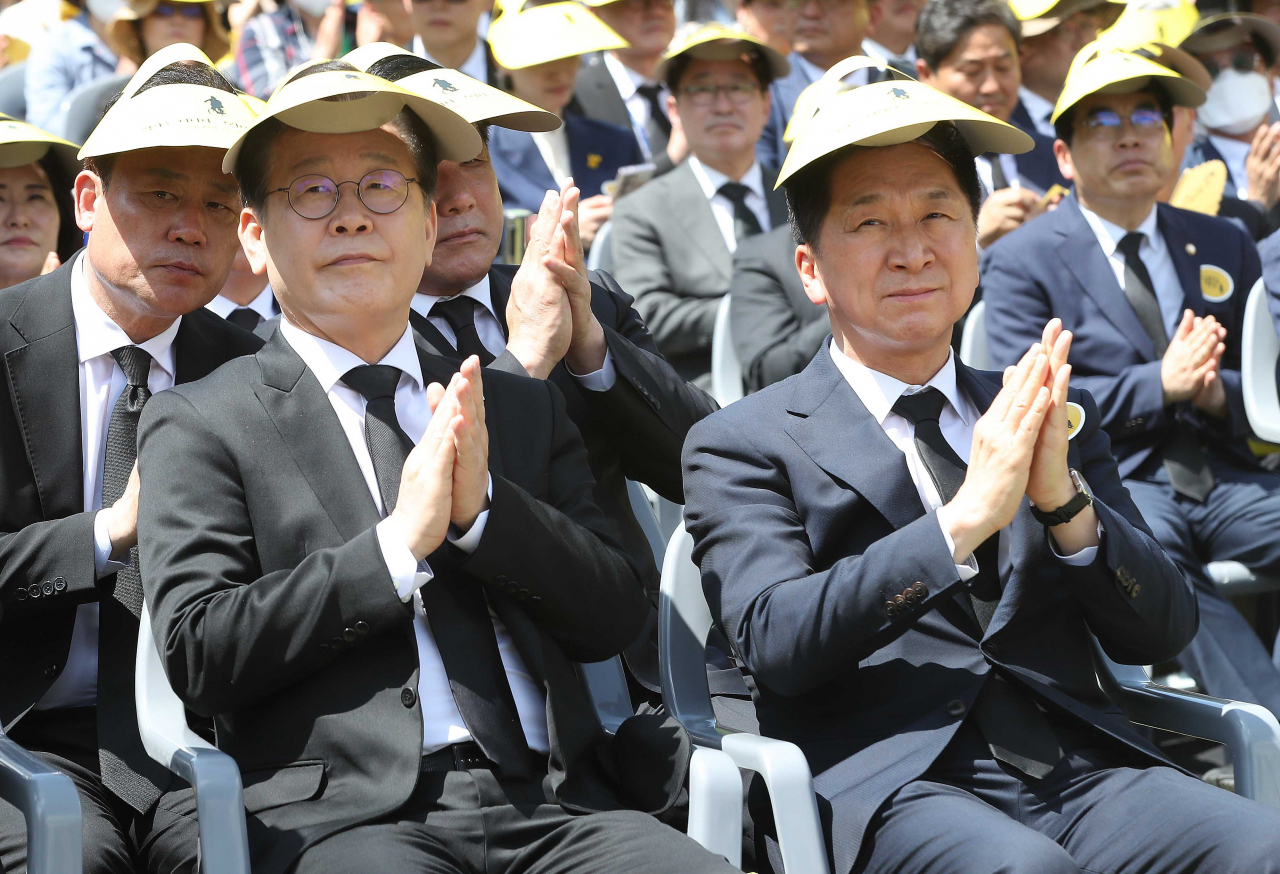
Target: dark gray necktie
<point x="1016" y="730"/>
<point x="243" y="317"/>
<point x="998" y="179"/>
<point x="745" y="223"/>
<point x="456" y="609"/>
<point x="460" y="313"/>
<point x="121" y="453"/>
<point x="658" y="130"/>
<point x="1184" y="458"/>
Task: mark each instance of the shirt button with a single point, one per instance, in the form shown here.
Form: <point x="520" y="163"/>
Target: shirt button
<point x="408" y="697"/>
<point x="956" y="707"/>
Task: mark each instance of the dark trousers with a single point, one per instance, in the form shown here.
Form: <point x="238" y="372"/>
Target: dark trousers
<point x="473" y="822"/>
<point x="1100" y="811"/>
<point x="1240" y="521"/>
<point x="117" y="839"/>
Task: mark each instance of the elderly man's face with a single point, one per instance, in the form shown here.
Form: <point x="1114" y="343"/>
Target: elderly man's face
<point x="1121" y="149"/>
<point x="164" y="228"/>
<point x="895" y="263"/>
<point x="722" y="109"/>
<point x="982" y="70"/>
<point x="469" y="208"/>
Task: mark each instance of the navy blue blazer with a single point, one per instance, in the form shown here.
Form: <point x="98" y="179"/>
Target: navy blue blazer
<point x="1269" y="252"/>
<point x="596" y="150"/>
<point x="1039" y="166"/>
<point x="806" y="524"/>
<point x="783" y="93"/>
<point x="1053" y="266"/>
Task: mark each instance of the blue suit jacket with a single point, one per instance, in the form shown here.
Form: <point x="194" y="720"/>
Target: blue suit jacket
<point x="806" y="522"/>
<point x="1053" y="266"/>
<point x="596" y="151"/>
<point x="1039" y="166"/>
<point x="770" y="149"/>
<point x="1269" y="252"/>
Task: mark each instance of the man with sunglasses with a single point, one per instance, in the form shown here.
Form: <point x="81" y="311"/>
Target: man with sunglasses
<point x="1155" y="298"/>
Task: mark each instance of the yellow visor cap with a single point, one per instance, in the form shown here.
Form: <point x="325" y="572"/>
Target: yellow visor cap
<point x="542" y="34"/>
<point x="22" y="144"/>
<point x="470" y="98"/>
<point x="169" y="115"/>
<point x="349" y="101"/>
<point x="719" y="42"/>
<point x="1042" y="16"/>
<point x="890" y="113"/>
<point x="1168" y="22"/>
<point x="832" y="82"/>
<point x="1102" y="69"/>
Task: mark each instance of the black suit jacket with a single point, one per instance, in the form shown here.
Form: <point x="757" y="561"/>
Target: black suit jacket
<point x="276" y="614"/>
<point x="671" y="256"/>
<point x="46" y="538"/>
<point x="776" y="329"/>
<point x="1054" y="267"/>
<point x="806" y="524"/>
<point x="633" y="431"/>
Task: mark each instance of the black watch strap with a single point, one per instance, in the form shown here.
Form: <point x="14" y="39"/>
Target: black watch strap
<point x="1065" y="513"/>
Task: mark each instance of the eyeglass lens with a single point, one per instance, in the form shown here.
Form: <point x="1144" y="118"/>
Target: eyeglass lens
<point x="186" y="10"/>
<point x="381" y="191"/>
<point x="1142" y="119"/>
<point x="705" y="95"/>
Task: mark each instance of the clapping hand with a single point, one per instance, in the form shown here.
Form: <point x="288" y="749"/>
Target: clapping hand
<point x="1189" y="368"/>
<point x="539" y="317"/>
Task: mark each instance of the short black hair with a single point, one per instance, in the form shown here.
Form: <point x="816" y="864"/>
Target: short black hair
<point x="177" y="73"/>
<point x="1064" y="128"/>
<point x="809" y="190"/>
<point x="754" y="57"/>
<point x="393" y="68"/>
<point x="943" y="24"/>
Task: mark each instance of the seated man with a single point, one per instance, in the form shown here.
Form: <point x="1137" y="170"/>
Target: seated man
<point x="376" y="572"/>
<point x="1051" y="38"/>
<point x="911" y="557"/>
<point x="673" y="240"/>
<point x="970" y="50"/>
<point x="87" y="347"/>
<point x="1155" y="296"/>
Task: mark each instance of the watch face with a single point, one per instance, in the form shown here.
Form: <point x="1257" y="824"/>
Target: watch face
<point x="1081" y="485"/>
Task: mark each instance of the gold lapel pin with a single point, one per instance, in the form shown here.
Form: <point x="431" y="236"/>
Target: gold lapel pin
<point x="1191" y="248"/>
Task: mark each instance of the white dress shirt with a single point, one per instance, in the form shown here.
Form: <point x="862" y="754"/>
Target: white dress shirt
<point x="884" y="54"/>
<point x="1039" y="109"/>
<point x="722" y="207"/>
<point x="1008" y="163"/>
<point x="441" y="722"/>
<point x="476" y="65"/>
<point x="101" y="384"/>
<point x="879" y="392"/>
<point x="627" y="81"/>
<point x="1154" y="254"/>
<point x="264" y="305"/>
<point x="489" y="329"/>
<point x="1234" y="154"/>
<point x="553" y="146"/>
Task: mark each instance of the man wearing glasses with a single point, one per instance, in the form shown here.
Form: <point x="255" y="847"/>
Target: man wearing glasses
<point x="674" y="238"/>
<point x="1155" y="298"/>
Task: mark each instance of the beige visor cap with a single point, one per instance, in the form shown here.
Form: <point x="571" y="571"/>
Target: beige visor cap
<point x="22" y="144"/>
<point x="169" y="115"/>
<point x="891" y="113"/>
<point x="1103" y="69"/>
<point x="832" y="82"/>
<point x="720" y="42"/>
<point x="1167" y="22"/>
<point x="542" y="34"/>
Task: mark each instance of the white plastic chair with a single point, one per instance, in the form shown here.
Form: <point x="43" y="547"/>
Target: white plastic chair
<point x="684" y="620"/>
<point x="973" y="338"/>
<point x="601" y="255"/>
<point x="726" y="370"/>
<point x="48" y="801"/>
<point x="1260" y="349"/>
<point x="162" y="722"/>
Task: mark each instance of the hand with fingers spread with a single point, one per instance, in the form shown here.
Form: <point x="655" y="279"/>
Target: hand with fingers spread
<point x="471" y="447"/>
<point x="1193" y="353"/>
<point x="425" y="501"/>
<point x="539" y="319"/>
<point x="1262" y="165"/>
<point x="1000" y="457"/>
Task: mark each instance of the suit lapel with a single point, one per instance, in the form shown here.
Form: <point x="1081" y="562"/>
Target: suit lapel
<point x="866" y="460"/>
<point x="195" y="353"/>
<point x="776" y="199"/>
<point x="302" y="414"/>
<point x="1167" y="224"/>
<point x="428" y="336"/>
<point x="518" y="151"/>
<point x="500" y="292"/>
<point x="691" y="209"/>
<point x="1079" y="251"/>
<point x="44" y="382"/>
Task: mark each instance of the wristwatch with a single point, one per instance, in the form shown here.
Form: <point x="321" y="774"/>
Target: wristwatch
<point x="1069" y="510"/>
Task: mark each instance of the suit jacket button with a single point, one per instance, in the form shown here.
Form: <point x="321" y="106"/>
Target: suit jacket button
<point x="523" y="595"/>
<point x="349" y="635"/>
<point x="891" y="608"/>
<point x="34" y="590"/>
<point x="20" y="593"/>
<point x="921" y="590"/>
<point x="51" y="671"/>
<point x="909" y="595"/>
<point x="955" y="708"/>
<point x="47" y="588"/>
<point x="337" y="643"/>
<point x="1134" y="590"/>
<point x="500" y="579"/>
<point x="510" y="587"/>
<point x="362" y="627"/>
<point x="59" y="584"/>
<point x="899" y="601"/>
<point x="325" y="649"/>
<point x="408" y="697"/>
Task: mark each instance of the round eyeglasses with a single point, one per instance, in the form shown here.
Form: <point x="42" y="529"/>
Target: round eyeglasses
<point x="314" y="197"/>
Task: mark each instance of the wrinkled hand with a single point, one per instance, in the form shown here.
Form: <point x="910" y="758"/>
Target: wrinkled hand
<point x="1194" y="352"/>
<point x="1004" y="445"/>
<point x="425" y="502"/>
<point x="1049" y="483"/>
<point x="471" y="445"/>
<point x="539" y="318"/>
<point x="1262" y="165"/>
<point x="1004" y="211"/>
<point x="122" y="523"/>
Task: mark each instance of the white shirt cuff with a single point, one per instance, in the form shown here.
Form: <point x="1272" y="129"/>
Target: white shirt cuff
<point x="407" y="574"/>
<point x="598" y="380"/>
<point x="102" y="562"/>
<point x="1082" y="558"/>
<point x="969" y="569"/>
<point x="471" y="539"/>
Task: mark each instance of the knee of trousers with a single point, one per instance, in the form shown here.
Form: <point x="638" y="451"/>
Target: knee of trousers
<point x="1029" y="853"/>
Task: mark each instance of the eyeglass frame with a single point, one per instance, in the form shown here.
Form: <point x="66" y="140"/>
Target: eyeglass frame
<point x="179" y="10"/>
<point x="693" y="92"/>
<point x="337" y="195"/>
<point x="1114" y="131"/>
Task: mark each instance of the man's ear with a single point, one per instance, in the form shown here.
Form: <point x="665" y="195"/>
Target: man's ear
<point x="875" y="11"/>
<point x="923" y="71"/>
<point x="253" y="241"/>
<point x="432" y="224"/>
<point x="672" y="112"/>
<point x="807" y="265"/>
<point x="87" y="191"/>
<point x="1066" y="166"/>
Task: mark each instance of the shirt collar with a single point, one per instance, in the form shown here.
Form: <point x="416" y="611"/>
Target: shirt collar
<point x="879" y="392"/>
<point x="1109" y="234"/>
<point x="1037" y="107"/>
<point x="97" y="334"/>
<point x="873" y="49"/>
<point x="264" y="304"/>
<point x="711" y="180"/>
<point x="480" y="293"/>
<point x="811" y="71"/>
<point x="627" y="79"/>
<point x="329" y="361"/>
<point x="476" y="65"/>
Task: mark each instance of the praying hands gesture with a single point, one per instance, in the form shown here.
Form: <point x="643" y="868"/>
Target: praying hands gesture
<point x="1189" y="368"/>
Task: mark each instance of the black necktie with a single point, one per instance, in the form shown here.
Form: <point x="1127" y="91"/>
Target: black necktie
<point x="243" y="317"/>
<point x="122" y="452"/>
<point x="998" y="179"/>
<point x="1015" y="729"/>
<point x="460" y="313"/>
<point x="658" y="130"/>
<point x="456" y="609"/>
<point x="1184" y="458"/>
<point x="745" y="223"/>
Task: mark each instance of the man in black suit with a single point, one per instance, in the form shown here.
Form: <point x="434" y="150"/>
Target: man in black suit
<point x="912" y="558"/>
<point x="84" y="349"/>
<point x="375" y="584"/>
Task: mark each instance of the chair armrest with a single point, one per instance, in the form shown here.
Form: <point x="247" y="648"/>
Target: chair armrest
<point x="48" y="800"/>
<point x="715" y="803"/>
<point x="607" y="686"/>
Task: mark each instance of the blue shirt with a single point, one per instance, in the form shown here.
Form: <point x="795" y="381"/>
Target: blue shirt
<point x="73" y="56"/>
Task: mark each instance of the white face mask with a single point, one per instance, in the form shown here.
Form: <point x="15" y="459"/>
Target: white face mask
<point x="104" y="10"/>
<point x="314" y="7"/>
<point x="1237" y="103"/>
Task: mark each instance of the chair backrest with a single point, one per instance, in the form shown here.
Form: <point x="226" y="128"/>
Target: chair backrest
<point x="684" y="621"/>
<point x="607" y="685"/>
<point x="726" y="370"/>
<point x="1260" y="351"/>
<point x="973" y="338"/>
<point x="601" y="255"/>
<point x="82" y="110"/>
<point x="13" y="90"/>
<point x="162" y="718"/>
